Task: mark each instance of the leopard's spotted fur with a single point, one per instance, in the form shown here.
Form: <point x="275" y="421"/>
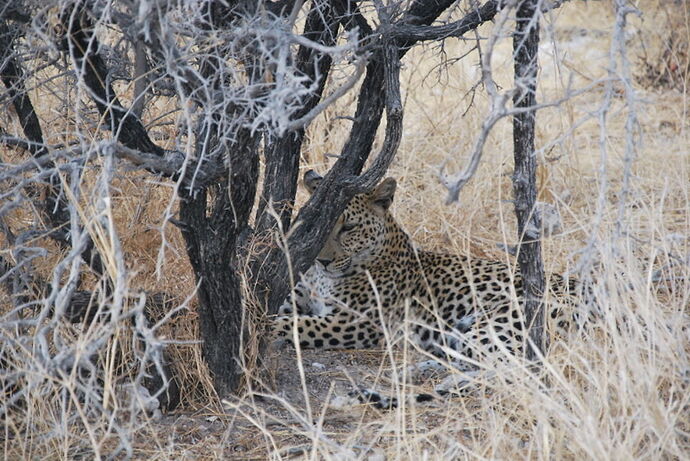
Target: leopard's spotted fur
<point x="369" y="272"/>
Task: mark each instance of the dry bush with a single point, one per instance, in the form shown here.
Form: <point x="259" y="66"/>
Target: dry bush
<point x="619" y="390"/>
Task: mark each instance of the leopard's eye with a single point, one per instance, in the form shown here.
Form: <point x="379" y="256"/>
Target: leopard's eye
<point x="347" y="227"/>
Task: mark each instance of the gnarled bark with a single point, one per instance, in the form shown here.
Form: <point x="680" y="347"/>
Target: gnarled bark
<point x="525" y="49"/>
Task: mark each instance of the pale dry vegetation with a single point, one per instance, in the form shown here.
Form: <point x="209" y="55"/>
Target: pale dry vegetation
<point x="619" y="390"/>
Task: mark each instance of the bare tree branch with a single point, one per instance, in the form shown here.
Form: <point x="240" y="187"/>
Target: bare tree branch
<point x="83" y="47"/>
<point x="497" y="110"/>
<point x="410" y="32"/>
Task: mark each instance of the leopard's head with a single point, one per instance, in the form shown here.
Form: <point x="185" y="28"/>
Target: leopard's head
<point x="359" y="235"/>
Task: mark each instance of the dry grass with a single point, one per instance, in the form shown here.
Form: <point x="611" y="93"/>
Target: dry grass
<point x="619" y="391"/>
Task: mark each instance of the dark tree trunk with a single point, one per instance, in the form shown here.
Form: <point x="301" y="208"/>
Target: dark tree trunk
<point x="218" y="293"/>
<point x="525" y="49"/>
<point x="212" y="228"/>
<point x="212" y="241"/>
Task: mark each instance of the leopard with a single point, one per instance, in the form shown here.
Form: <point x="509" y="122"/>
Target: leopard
<point x="370" y="276"/>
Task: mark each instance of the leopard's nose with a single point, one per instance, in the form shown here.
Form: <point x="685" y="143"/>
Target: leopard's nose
<point x="324" y="262"/>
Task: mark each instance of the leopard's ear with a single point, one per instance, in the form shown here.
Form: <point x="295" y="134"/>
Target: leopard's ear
<point x="312" y="180"/>
<point x="382" y="195"/>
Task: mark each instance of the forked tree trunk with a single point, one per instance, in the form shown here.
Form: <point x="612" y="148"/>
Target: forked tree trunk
<point x="525" y="49"/>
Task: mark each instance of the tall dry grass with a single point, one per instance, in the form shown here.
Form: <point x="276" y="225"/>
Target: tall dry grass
<point x="620" y="390"/>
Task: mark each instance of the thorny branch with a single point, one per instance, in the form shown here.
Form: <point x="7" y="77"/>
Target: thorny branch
<point x="497" y="110"/>
<point x="619" y="71"/>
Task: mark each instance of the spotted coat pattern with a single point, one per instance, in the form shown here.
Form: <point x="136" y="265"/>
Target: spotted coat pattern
<point x="370" y="274"/>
